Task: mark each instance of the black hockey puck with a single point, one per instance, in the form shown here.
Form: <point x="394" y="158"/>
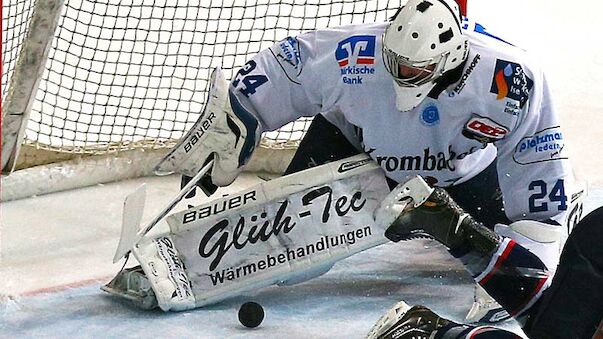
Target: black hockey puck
<point x="251" y="314"/>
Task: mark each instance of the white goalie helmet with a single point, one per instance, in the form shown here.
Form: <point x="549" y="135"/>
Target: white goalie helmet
<point x="422" y="42"/>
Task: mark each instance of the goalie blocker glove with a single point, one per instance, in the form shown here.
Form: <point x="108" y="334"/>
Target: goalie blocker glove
<point x="225" y="131"/>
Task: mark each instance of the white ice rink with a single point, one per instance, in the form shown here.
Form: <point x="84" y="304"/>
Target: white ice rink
<point x="56" y="249"/>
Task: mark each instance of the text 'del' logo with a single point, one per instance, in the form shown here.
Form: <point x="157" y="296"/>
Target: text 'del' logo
<point x="484" y="130"/>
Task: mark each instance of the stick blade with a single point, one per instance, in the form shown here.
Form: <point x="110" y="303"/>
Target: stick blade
<point x="132" y="215"/>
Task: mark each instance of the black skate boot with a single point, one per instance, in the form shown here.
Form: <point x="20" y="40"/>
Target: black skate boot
<point x="419" y="322"/>
<point x="403" y="321"/>
<point x="441" y="218"/>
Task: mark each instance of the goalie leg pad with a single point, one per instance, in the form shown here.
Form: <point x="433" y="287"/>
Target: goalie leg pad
<point x="282" y="231"/>
<point x="161" y="262"/>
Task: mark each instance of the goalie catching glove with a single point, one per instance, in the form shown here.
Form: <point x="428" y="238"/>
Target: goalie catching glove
<point x="225" y="131"/>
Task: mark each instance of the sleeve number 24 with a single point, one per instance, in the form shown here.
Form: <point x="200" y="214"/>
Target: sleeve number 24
<point x="250" y="82"/>
<point x="556" y="194"/>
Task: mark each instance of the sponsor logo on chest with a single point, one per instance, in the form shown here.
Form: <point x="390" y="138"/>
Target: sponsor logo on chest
<point x="356" y="58"/>
<point x="427" y="161"/>
<point x="510" y="81"/>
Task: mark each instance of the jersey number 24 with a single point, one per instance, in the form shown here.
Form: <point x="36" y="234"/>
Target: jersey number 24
<point x="250" y="82"/>
<point x="556" y="194"/>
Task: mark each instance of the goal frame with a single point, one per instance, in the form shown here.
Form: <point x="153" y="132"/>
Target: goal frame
<point x="36" y="170"/>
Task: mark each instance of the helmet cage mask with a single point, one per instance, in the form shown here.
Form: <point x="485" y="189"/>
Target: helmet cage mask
<point x="422" y="42"/>
<point x="425" y="71"/>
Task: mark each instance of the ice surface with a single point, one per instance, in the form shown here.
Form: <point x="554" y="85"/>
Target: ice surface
<point x="46" y="300"/>
<point x="342" y="304"/>
<point x="58" y="249"/>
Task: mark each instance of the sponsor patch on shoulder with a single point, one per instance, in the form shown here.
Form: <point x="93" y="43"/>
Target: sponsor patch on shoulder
<point x="546" y="145"/>
<point x="510" y="81"/>
<point x="484" y="130"/>
<point x="286" y="52"/>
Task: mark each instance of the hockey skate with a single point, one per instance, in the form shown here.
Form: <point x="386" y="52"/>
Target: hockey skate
<point x="442" y="219"/>
<point x="485" y="308"/>
<point x="403" y="321"/>
<point x="419" y="322"/>
<point x="132" y="284"/>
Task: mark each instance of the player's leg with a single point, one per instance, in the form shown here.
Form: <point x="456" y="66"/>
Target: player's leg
<point x="322" y="143"/>
<point x="481" y="197"/>
<point x="573" y="306"/>
<point x="599" y="331"/>
<point x="509" y="272"/>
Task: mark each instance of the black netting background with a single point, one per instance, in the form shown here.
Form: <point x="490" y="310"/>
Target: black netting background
<point x="133" y="73"/>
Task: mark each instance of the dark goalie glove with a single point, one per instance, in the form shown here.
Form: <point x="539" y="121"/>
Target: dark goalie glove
<point x="413" y="210"/>
<point x="225" y="132"/>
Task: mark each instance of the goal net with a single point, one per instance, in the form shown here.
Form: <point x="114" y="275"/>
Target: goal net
<point x="132" y="75"/>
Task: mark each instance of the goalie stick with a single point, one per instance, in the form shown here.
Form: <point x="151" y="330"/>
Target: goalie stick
<point x="132" y="214"/>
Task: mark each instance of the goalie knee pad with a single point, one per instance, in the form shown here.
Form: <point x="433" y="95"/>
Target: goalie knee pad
<point x="544" y="240"/>
<point x="515" y="277"/>
<point x="161" y="262"/>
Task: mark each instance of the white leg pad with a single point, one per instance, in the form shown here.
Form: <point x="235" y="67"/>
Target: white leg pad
<point x="282" y="231"/>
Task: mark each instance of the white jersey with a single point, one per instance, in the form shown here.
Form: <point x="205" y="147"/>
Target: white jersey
<point x="501" y="107"/>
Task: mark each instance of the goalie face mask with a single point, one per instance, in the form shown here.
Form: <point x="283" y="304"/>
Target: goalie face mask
<point x="422" y="42"/>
